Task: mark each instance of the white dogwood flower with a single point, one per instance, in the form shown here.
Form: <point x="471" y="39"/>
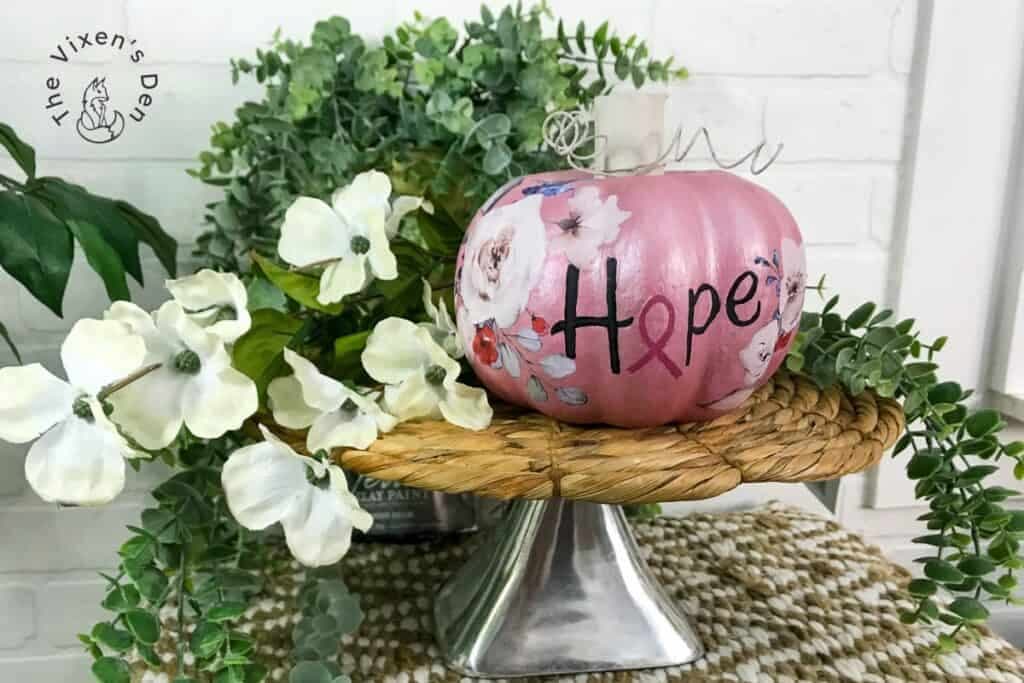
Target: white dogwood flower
<point x="442" y="328"/>
<point x="420" y="376"/>
<point x="349" y="236"/>
<point x="216" y="301"/>
<point x="79" y="458"/>
<point x="269" y="482"/>
<point x="335" y="415"/>
<point x="195" y="384"/>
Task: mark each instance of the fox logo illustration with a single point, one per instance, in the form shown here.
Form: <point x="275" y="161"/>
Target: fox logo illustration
<point x="97" y="123"/>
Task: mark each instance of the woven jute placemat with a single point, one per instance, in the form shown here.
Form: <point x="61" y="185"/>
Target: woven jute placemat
<point x="776" y="594"/>
<point x="788" y="430"/>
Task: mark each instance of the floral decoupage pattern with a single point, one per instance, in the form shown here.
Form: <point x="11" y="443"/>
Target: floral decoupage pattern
<point x="627" y="300"/>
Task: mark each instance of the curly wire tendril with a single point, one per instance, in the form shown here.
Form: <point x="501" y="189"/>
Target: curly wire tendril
<point x="567" y="133"/>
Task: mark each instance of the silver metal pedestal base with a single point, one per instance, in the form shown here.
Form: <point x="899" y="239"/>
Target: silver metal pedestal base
<point x="559" y="588"/>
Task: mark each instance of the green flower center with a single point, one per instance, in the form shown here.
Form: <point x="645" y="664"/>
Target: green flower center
<point x="82" y="409"/>
<point x="349" y="406"/>
<point x="311" y="476"/>
<point x="359" y="245"/>
<point x="187" y="362"/>
<point x="435" y="375"/>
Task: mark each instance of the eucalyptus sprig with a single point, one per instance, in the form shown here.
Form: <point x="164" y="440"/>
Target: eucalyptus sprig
<point x="447" y="117"/>
<point x="974" y="540"/>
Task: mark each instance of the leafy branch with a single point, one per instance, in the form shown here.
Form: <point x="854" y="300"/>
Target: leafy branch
<point x="954" y="450"/>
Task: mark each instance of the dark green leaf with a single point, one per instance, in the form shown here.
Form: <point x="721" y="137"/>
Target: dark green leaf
<point x="151" y="582"/>
<point x="143" y="625"/>
<point x="974" y="474"/>
<point x="113" y="638"/>
<point x="969" y="609"/>
<point x="111" y="670"/>
<point x="207" y="639"/>
<point x="20" y="151"/>
<point x="102" y="258"/>
<point x="947" y="392"/>
<point x="581" y="37"/>
<point x="310" y="672"/>
<point x="10" y="343"/>
<point x="300" y="287"/>
<point x="860" y="315"/>
<point x="35" y="248"/>
<point x="922" y="588"/>
<point x="347" y="354"/>
<point x="942" y="571"/>
<point x="259" y="353"/>
<point x="975" y="565"/>
<point x="923" y="465"/>
<point x="982" y="423"/>
<point x="225" y="611"/>
<point x="121" y="598"/>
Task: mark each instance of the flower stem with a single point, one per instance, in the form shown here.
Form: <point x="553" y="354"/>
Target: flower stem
<point x="106" y="391"/>
<point x="314" y="265"/>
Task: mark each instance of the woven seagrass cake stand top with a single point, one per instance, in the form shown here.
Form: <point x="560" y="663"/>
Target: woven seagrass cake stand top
<point x="560" y="586"/>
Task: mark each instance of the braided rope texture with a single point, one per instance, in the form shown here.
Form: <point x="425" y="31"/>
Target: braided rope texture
<point x="787" y="431"/>
<point x="776" y="594"/>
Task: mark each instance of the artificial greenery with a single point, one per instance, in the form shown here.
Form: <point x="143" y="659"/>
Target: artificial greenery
<point x="41" y="219"/>
<point x="448" y="117"/>
<point x="975" y="541"/>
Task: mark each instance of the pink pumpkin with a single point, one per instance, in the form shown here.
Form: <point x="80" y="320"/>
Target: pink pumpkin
<point x="629" y="300"/>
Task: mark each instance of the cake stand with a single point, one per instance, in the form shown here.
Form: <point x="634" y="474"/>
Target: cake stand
<point x="560" y="586"/>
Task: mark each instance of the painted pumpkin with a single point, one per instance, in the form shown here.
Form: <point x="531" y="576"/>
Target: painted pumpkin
<point x="629" y="300"/>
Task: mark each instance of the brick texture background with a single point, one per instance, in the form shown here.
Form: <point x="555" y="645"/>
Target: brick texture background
<point x="829" y="79"/>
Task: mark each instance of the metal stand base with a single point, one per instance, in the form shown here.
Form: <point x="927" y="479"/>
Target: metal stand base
<point x="560" y="588"/>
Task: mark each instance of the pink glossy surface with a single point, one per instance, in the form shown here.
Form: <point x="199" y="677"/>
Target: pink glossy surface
<point x="669" y="235"/>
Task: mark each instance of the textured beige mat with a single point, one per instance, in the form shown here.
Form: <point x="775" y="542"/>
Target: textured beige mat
<point x="776" y="594"/>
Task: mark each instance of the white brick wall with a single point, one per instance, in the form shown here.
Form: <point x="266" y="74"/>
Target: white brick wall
<point x="829" y="79"/>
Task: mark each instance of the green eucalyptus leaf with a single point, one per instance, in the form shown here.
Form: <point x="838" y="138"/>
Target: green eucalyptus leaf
<point x="860" y="315"/>
<point x="207" y="639"/>
<point x="923" y="465"/>
<point x="982" y="423"/>
<point x="112" y="638"/>
<point x="969" y="609"/>
<point x="226" y="611"/>
<point x="942" y="571"/>
<point x="310" y="672"/>
<point x="121" y="598"/>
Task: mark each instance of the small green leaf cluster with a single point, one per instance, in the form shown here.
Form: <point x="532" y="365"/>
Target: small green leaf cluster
<point x="974" y="540"/>
<point x="188" y="554"/>
<point x="448" y="118"/>
<point x="41" y="219"/>
<point x="329" y="611"/>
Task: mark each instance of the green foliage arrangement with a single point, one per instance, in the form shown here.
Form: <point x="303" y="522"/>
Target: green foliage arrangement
<point x="42" y="217"/>
<point x="975" y="541"/>
<point x="447" y="117"/>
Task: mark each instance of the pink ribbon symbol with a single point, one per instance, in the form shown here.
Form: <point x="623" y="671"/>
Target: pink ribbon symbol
<point x="656" y="349"/>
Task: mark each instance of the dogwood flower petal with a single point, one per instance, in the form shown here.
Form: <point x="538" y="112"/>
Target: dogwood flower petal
<point x="412" y="398"/>
<point x="98" y="352"/>
<point x="151" y="410"/>
<point x="341" y="278"/>
<point x="394" y="351"/>
<point x="466" y="407"/>
<point x="368" y="190"/>
<point x="313" y="232"/>
<point x="32" y="400"/>
<point x="318" y="390"/>
<point x="287" y="405"/>
<point x="216" y="301"/>
<point x="263" y="481"/>
<point x="217" y="403"/>
<point x="341" y="428"/>
<point x="318" y="529"/>
<point x="80" y="461"/>
<point x="380" y="257"/>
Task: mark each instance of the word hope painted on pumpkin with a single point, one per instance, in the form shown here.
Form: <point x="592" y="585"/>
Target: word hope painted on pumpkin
<point x="590" y="298"/>
<point x="743" y="289"/>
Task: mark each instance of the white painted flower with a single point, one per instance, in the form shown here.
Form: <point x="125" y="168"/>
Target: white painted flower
<point x="195" y="384"/>
<point x="591" y="223"/>
<point x="79" y="458"/>
<point x="335" y="415"/>
<point x="420" y="376"/>
<point x="503" y="261"/>
<point x="216" y="301"/>
<point x="794" y="281"/>
<point x="756" y="356"/>
<point x="268" y="482"/>
<point x="442" y="328"/>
